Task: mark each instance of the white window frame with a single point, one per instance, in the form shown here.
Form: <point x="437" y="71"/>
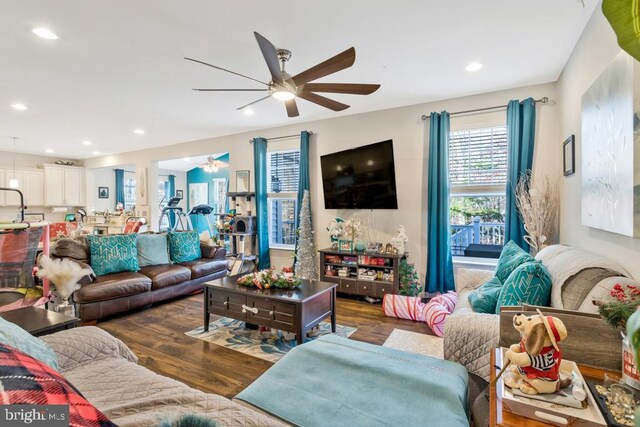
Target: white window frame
<point x="129" y="204"/>
<point x="279" y="196"/>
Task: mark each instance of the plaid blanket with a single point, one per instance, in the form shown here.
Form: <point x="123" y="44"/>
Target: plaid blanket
<point x="25" y="380"/>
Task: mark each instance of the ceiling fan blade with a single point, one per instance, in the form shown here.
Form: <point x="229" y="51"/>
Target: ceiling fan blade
<point x="270" y="56"/>
<point x="231" y="90"/>
<point x="339" y="62"/>
<point x="254" y="102"/>
<point x="292" y="108"/>
<point x="321" y="100"/>
<point x="350" y="88"/>
<point x="228" y="71"/>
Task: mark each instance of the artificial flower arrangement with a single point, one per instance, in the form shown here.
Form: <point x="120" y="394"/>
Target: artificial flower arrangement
<point x="622" y="303"/>
<point x="270" y="278"/>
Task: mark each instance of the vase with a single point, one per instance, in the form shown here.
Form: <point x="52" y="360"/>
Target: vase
<point x="630" y="374"/>
<point x="360" y="246"/>
<point x="65" y="307"/>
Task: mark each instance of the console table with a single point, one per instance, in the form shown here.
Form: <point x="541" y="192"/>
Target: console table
<point x="354" y="284"/>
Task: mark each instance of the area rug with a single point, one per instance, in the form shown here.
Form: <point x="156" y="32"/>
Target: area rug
<point x="413" y="342"/>
<point x="270" y="345"/>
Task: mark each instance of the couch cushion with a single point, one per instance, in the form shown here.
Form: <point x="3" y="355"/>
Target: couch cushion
<point x="14" y="336"/>
<point x="485" y="298"/>
<point x="578" y="286"/>
<point x="166" y="275"/>
<point x="113" y="254"/>
<point x="184" y="246"/>
<point x="511" y="257"/>
<point x="530" y="283"/>
<point x="113" y="286"/>
<point x="204" y="267"/>
<point x="153" y="249"/>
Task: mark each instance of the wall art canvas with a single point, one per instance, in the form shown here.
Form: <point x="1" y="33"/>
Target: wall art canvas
<point x="610" y="145"/>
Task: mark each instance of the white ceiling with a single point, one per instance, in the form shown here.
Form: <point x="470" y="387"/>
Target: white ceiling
<point x="185" y="164"/>
<point x="118" y="66"/>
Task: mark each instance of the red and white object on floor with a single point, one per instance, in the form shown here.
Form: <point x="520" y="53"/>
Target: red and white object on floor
<point x="432" y="313"/>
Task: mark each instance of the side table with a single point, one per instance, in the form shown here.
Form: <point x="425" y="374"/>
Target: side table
<point x="39" y="321"/>
<point x="499" y="416"/>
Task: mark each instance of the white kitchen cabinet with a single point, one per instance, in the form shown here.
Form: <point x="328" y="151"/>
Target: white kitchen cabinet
<point x="63" y="185"/>
<point x="3" y="183"/>
<point x="34" y="188"/>
<point x="11" y="197"/>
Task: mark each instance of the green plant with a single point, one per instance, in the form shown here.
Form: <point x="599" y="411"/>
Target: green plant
<point x="621" y="304"/>
<point x="409" y="280"/>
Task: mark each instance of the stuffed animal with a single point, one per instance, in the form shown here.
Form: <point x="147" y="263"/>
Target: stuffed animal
<point x="535" y="361"/>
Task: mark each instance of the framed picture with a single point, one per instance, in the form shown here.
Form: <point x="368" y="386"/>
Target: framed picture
<point x="568" y="155"/>
<point x="242" y="181"/>
<point x="141" y="187"/>
<point x="33" y="217"/>
<point x="198" y="194"/>
<point x="180" y="194"/>
<point x="103" y="192"/>
<point x="345" y="245"/>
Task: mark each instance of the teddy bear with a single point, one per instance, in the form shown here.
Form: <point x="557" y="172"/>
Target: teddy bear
<point x="535" y="360"/>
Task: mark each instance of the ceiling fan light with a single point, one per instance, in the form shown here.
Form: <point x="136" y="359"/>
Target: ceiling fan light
<point x="283" y="95"/>
<point x="214" y="169"/>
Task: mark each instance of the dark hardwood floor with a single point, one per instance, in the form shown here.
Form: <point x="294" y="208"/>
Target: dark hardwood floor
<point x="157" y="336"/>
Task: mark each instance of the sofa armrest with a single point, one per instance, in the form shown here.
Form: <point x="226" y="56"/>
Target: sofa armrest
<point x="469" y="338"/>
<point x="213" y="252"/>
<point x="84" y="345"/>
<point x="471" y="278"/>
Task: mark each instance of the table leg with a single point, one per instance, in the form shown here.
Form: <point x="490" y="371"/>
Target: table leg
<point x="333" y="310"/>
<point x="207" y="315"/>
<point x="300" y="333"/>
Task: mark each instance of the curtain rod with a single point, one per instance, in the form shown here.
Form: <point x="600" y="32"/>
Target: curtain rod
<point x="543" y="100"/>
<point x="281" y="137"/>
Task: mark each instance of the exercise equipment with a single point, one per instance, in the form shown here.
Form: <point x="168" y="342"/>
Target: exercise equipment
<point x="205" y="211"/>
<point x="179" y="218"/>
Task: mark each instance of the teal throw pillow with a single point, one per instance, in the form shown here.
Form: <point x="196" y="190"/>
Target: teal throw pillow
<point x="485" y="298"/>
<point x="153" y="249"/>
<point x="16" y="337"/>
<point x="113" y="254"/>
<point x="511" y="257"/>
<point x="530" y="283"/>
<point x="184" y="246"/>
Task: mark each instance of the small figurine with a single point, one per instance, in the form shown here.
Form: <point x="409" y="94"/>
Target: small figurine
<point x="388" y="249"/>
<point x="400" y="240"/>
<point x="535" y="361"/>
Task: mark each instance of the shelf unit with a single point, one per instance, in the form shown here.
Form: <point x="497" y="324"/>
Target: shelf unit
<point x="331" y="259"/>
<point x="243" y="262"/>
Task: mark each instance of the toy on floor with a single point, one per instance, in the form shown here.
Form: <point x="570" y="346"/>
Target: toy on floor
<point x="535" y="361"/>
<point x="432" y="313"/>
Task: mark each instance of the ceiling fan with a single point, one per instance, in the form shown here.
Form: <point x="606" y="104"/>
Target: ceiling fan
<point x="212" y="165"/>
<point x="285" y="87"/>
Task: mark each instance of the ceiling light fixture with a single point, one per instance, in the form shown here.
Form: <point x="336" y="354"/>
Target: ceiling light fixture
<point x="13" y="182"/>
<point x="18" y="106"/>
<point x="138" y="132"/>
<point x="45" y="33"/>
<point x="49" y="150"/>
<point x="283" y="95"/>
<point x="186" y="159"/>
<point x="212" y="165"/>
<point x="248" y="111"/>
<point x="85" y="142"/>
<point x="95" y="153"/>
<point x="474" y="66"/>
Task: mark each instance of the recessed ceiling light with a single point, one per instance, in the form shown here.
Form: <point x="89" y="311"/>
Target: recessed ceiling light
<point x="85" y="142"/>
<point x="49" y="150"/>
<point x="95" y="153"/>
<point x="248" y="111"/>
<point x="45" y="33"/>
<point x="138" y="132"/>
<point x="186" y="159"/>
<point x="474" y="66"/>
<point x="19" y="106"/>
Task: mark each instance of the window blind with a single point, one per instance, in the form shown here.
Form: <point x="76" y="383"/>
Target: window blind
<point x="478" y="157"/>
<point x="283" y="168"/>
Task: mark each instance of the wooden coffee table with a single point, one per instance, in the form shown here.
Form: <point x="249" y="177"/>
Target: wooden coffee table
<point x="39" y="321"/>
<point x="291" y="310"/>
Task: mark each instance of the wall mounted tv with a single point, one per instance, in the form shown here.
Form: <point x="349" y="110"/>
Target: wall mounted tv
<point x="360" y="178"/>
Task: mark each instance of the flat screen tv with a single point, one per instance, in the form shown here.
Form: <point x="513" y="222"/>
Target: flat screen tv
<point x="360" y="178"/>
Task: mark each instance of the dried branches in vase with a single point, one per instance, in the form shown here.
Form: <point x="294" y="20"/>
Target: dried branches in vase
<point x="64" y="275"/>
<point x="538" y="204"/>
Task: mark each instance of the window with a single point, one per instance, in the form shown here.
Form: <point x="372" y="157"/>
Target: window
<point x="282" y="185"/>
<point x="163" y="187"/>
<point x="129" y="191"/>
<point x="478" y="176"/>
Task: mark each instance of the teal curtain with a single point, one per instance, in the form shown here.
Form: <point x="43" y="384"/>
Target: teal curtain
<point x="521" y="124"/>
<point x="439" y="259"/>
<point x="119" y="186"/>
<point x="170" y="191"/>
<point x="303" y="178"/>
<point x="262" y="209"/>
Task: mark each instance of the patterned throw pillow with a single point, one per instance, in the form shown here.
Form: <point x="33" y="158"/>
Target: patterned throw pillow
<point x="530" y="283"/>
<point x="184" y="246"/>
<point x="113" y="254"/>
<point x="485" y="298"/>
<point x="13" y="335"/>
<point x="511" y="257"/>
<point x="27" y="381"/>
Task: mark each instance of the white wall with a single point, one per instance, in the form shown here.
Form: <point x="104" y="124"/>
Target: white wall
<point x="594" y="52"/>
<point x="409" y="135"/>
<point x="104" y="177"/>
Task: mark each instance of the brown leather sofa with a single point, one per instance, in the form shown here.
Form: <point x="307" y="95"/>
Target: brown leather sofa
<point x="104" y="296"/>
